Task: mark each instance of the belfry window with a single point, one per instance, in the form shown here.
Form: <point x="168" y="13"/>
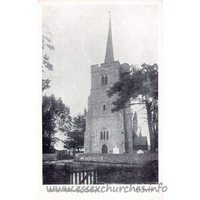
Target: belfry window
<point x="104" y="107"/>
<point x="107" y="135"/>
<point x="101" y="135"/>
<point x="104" y="80"/>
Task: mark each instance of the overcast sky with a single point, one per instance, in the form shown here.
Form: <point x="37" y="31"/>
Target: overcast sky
<point x="79" y="35"/>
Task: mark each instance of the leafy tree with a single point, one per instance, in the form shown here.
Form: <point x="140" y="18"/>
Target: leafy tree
<point x="55" y="117"/>
<point x="75" y="138"/>
<point x="46" y="43"/>
<point x="139" y="84"/>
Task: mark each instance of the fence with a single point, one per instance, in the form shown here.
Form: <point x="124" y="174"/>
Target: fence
<point x="83" y="177"/>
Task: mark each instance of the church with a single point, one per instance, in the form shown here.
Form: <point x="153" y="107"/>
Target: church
<point x="105" y="131"/>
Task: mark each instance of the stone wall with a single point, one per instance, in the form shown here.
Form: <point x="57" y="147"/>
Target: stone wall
<point x="137" y="159"/>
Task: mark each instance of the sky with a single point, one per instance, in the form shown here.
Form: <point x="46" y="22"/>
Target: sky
<point x="79" y="35"/>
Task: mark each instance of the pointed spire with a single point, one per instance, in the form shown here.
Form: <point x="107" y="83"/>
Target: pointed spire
<point x="109" y="49"/>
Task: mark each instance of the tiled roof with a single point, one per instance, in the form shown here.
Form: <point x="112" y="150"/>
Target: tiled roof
<point x="140" y="141"/>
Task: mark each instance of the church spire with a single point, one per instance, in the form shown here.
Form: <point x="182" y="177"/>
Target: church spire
<point x="109" y="49"/>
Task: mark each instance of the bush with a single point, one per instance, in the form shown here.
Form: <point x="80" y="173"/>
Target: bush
<point x="63" y="155"/>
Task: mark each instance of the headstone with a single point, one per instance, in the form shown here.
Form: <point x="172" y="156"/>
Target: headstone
<point x="115" y="150"/>
<point x="71" y="152"/>
<point x="140" y="152"/>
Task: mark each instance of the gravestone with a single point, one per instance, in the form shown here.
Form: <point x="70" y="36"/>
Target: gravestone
<point x="115" y="150"/>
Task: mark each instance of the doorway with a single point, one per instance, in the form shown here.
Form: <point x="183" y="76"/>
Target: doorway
<point x="104" y="149"/>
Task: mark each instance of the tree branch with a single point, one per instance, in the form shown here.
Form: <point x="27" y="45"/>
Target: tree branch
<point x="154" y="109"/>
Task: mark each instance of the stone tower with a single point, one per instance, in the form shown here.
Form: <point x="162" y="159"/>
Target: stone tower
<point x="104" y="129"/>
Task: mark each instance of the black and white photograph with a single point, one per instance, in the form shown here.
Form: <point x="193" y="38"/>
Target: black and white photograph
<point x="99" y="99"/>
<point x="100" y="105"/>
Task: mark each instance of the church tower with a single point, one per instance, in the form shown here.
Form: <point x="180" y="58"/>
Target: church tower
<point x="104" y="129"/>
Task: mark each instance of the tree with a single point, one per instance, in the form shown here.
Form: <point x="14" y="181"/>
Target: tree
<point x="135" y="123"/>
<point x="154" y="112"/>
<point x="46" y="43"/>
<point x="75" y="138"/>
<point x="55" y="117"/>
<point x="139" y="84"/>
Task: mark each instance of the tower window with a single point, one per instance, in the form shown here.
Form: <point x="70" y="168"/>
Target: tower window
<point x="104" y="135"/>
<point x="104" y="107"/>
<point x="104" y="80"/>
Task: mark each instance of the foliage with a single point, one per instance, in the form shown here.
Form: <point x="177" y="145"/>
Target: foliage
<point x="132" y="84"/>
<point x="46" y="43"/>
<point x="75" y="138"/>
<point x="45" y="84"/>
<point x="139" y="84"/>
<point x="55" y="117"/>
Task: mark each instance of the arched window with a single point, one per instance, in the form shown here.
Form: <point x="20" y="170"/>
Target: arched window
<point x="104" y="107"/>
<point x="104" y="135"/>
<point x="107" y="135"/>
<point x="102" y="80"/>
<point x="106" y="80"/>
<point x="104" y="149"/>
